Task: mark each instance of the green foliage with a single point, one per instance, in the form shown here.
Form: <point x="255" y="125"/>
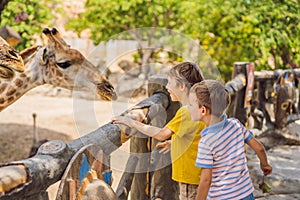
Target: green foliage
<point x="28" y="18"/>
<point x="229" y="30"/>
<point x="107" y="18"/>
<point x="251" y="31"/>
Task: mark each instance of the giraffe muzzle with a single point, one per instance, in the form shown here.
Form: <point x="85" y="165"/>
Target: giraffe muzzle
<point x="106" y="91"/>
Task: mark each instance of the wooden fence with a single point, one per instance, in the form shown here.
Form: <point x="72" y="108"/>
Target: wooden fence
<point x="252" y="91"/>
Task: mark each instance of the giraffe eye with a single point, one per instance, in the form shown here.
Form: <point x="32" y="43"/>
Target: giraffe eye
<point x="65" y="64"/>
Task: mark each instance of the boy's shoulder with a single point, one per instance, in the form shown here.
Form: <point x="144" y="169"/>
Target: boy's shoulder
<point x="233" y="120"/>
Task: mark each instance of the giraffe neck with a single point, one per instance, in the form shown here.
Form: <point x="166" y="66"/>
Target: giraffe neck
<point x="12" y="90"/>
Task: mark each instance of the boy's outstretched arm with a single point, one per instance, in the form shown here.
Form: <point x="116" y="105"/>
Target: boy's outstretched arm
<point x="262" y="155"/>
<point x="151" y="131"/>
<point x="204" y="185"/>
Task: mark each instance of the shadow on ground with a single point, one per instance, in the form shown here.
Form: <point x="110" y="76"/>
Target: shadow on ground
<point x="17" y="140"/>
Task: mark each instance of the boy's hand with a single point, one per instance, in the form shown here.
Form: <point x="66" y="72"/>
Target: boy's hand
<point x="122" y="120"/>
<point x="126" y="130"/>
<point x="166" y="146"/>
<point x="267" y="169"/>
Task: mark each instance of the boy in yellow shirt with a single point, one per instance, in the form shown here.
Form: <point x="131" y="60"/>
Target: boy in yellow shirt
<point x="184" y="133"/>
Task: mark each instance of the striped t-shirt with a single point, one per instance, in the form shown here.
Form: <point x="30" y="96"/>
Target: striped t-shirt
<point x="222" y="148"/>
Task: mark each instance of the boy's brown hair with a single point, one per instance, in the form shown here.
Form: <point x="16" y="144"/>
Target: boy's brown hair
<point x="213" y="95"/>
<point x="187" y="73"/>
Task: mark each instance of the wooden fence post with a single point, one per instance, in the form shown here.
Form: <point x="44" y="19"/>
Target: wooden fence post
<point x="160" y="164"/>
<point x="152" y="184"/>
<point x="127" y="178"/>
<point x="237" y="107"/>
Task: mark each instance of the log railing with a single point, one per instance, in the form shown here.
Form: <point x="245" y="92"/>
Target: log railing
<point x="30" y="178"/>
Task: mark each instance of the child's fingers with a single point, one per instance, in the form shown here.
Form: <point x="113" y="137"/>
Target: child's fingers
<point x="119" y="120"/>
<point x="164" y="150"/>
<point x="267" y="170"/>
<point x="161" y="151"/>
<point x="166" y="146"/>
<point x="161" y="144"/>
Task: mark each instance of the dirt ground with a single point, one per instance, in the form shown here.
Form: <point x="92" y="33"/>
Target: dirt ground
<point x="59" y="116"/>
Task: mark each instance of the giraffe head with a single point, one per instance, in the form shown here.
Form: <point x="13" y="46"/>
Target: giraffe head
<point x="10" y="60"/>
<point x="68" y="68"/>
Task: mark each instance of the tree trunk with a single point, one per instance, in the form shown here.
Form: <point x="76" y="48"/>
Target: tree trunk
<point x="3" y="3"/>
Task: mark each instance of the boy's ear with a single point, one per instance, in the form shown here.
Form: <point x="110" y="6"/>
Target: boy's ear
<point x="204" y="110"/>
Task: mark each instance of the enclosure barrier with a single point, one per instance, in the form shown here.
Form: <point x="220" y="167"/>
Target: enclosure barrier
<point x="251" y="90"/>
<point x="29" y="178"/>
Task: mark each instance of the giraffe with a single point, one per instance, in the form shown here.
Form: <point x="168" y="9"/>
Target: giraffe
<point x="10" y="60"/>
<point x="56" y="64"/>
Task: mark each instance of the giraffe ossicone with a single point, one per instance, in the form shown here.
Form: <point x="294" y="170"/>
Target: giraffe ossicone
<point x="56" y="64"/>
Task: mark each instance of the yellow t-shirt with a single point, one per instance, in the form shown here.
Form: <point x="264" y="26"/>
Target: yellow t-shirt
<point x="185" y="146"/>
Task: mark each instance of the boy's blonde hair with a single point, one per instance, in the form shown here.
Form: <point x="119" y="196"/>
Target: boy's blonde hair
<point x="213" y="95"/>
<point x="186" y="73"/>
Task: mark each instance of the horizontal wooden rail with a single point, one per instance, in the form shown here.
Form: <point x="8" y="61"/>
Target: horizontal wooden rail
<point x="274" y="74"/>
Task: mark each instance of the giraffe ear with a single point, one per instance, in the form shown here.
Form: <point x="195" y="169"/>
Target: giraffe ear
<point x="27" y="53"/>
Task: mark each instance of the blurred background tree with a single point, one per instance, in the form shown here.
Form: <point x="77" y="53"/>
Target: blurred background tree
<point x="28" y="18"/>
<point x="265" y="32"/>
<point x="107" y="19"/>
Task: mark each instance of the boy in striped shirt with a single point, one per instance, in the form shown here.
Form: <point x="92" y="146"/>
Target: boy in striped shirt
<point x="221" y="152"/>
